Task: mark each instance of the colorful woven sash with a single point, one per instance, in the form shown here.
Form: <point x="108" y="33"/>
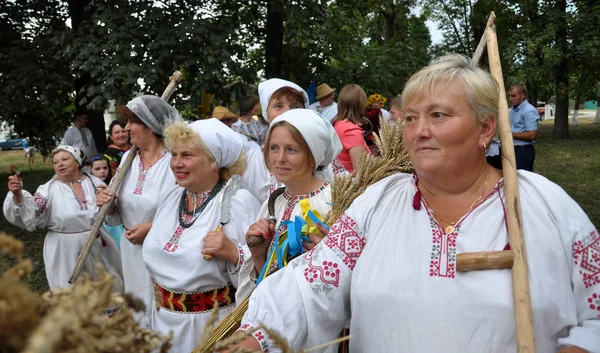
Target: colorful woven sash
<point x="196" y="302"/>
<point x="288" y="244"/>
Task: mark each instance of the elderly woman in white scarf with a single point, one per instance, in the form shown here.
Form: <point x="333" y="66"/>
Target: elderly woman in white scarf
<point x="143" y="187"/>
<point x="299" y="147"/>
<point x="66" y="206"/>
<point x="204" y="156"/>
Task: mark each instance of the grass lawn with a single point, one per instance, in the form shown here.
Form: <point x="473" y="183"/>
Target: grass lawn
<point x="574" y="164"/>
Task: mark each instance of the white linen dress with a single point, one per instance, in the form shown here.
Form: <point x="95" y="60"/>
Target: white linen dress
<point x="138" y="200"/>
<point x="286" y="207"/>
<point x="173" y="255"/>
<point x="388" y="265"/>
<point x="69" y="219"/>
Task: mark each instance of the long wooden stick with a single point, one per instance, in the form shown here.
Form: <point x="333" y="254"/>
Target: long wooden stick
<point x="114" y="187"/>
<point x="482" y="42"/>
<point x="520" y="273"/>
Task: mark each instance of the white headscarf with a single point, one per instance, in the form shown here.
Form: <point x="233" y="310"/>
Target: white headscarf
<point x="317" y="131"/>
<point x="268" y="87"/>
<point x="153" y="111"/>
<point x="77" y="152"/>
<point x="224" y="144"/>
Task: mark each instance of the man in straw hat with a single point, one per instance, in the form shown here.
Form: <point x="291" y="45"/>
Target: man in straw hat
<point x="325" y="105"/>
<point x="224" y="115"/>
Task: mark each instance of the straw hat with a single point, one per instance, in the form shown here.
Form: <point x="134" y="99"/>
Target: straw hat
<point x="323" y="90"/>
<point x="222" y="113"/>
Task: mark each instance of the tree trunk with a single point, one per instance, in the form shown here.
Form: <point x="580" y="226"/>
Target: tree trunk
<point x="561" y="120"/>
<point x="81" y="11"/>
<point x="389" y="24"/>
<point x="532" y="92"/>
<point x="274" y="40"/>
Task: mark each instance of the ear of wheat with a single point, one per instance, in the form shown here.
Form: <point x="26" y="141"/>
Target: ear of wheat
<point x="67" y="319"/>
<point x="392" y="159"/>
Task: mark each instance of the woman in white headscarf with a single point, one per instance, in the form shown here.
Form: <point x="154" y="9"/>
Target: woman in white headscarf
<point x="204" y="156"/>
<point x="299" y="147"/>
<point x="147" y="180"/>
<point x="277" y="96"/>
<point x="66" y="206"/>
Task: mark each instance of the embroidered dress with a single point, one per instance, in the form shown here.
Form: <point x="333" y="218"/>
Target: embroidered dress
<point x="390" y="265"/>
<point x="69" y="219"/>
<point x="139" y="197"/>
<point x="286" y="207"/>
<point x="175" y="261"/>
<point x="254" y="129"/>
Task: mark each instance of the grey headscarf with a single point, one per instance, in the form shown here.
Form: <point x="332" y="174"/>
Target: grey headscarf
<point x="153" y="111"/>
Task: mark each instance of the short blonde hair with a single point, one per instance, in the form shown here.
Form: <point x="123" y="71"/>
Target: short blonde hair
<point x="482" y="89"/>
<point x="179" y="132"/>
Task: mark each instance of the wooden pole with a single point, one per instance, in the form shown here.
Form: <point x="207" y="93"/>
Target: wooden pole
<point x="488" y="260"/>
<point x="114" y="187"/>
<point x="520" y="273"/>
<point x="482" y="42"/>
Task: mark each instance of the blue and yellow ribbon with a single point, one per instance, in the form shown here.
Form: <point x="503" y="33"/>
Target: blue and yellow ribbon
<point x="289" y="242"/>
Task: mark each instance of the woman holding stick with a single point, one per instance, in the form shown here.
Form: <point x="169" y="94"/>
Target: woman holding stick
<point x="299" y="146"/>
<point x="390" y="259"/>
<point x="142" y="189"/>
<point x="204" y="156"/>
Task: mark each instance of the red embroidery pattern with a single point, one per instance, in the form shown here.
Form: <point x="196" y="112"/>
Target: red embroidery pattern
<point x="40" y="201"/>
<point x="259" y="335"/>
<point x="338" y="167"/>
<point x="594" y="303"/>
<point x="240" y="258"/>
<point x="345" y="241"/>
<point x="586" y="255"/>
<point x="443" y="252"/>
<point x="328" y="273"/>
<point x="262" y="340"/>
<point x="198" y="302"/>
<point x="173" y="243"/>
<point x="142" y="173"/>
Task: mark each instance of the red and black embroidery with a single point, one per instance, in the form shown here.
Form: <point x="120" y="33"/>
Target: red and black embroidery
<point x="586" y="255"/>
<point x="196" y="302"/>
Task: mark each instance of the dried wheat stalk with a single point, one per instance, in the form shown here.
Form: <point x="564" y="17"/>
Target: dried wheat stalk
<point x="68" y="319"/>
<point x="393" y="159"/>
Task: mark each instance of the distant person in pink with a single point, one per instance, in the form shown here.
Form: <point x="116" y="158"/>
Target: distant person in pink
<point x="347" y="124"/>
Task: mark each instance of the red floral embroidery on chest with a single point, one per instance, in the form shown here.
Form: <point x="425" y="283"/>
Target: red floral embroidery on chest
<point x="586" y="255"/>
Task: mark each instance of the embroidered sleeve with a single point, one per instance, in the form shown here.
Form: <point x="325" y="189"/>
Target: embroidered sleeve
<point x="241" y="256"/>
<point x="585" y="280"/>
<point x="294" y="297"/>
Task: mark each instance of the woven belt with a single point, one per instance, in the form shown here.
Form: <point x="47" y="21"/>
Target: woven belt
<point x="196" y="302"/>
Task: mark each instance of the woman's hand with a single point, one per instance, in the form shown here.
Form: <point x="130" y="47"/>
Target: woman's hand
<point x="261" y="228"/>
<point x="315" y="238"/>
<point x="15" y="185"/>
<point x="103" y="196"/>
<point x="218" y="245"/>
<point x="138" y="233"/>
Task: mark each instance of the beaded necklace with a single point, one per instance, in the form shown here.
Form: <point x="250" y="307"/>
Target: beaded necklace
<point x="187" y="218"/>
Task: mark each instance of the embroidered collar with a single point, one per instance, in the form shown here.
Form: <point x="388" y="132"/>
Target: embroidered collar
<point x="289" y="197"/>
